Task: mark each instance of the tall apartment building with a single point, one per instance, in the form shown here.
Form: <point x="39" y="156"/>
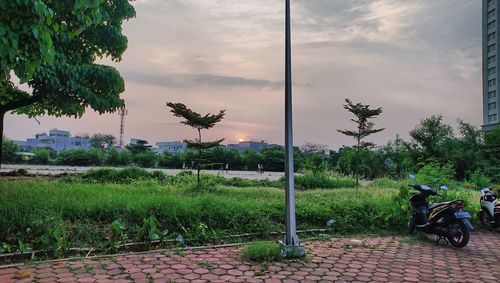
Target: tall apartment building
<point x="491" y="56"/>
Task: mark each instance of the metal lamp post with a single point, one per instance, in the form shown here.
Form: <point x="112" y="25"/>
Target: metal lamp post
<point x="291" y="243"/>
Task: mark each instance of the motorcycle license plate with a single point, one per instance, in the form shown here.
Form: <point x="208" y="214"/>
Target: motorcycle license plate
<point x="462" y="215"/>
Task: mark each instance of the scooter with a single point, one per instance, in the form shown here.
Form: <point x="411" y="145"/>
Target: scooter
<point x="489" y="215"/>
<point x="447" y="220"/>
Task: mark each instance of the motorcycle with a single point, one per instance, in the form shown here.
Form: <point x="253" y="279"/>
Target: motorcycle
<point x="447" y="220"/>
<point x="489" y="215"/>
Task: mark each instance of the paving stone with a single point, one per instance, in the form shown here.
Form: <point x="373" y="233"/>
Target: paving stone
<point x="379" y="259"/>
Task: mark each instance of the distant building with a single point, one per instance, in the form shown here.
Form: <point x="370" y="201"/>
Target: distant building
<point x="57" y="140"/>
<point x="171" y="146"/>
<point x="253" y="145"/>
<point x="135" y="141"/>
<point x="491" y="75"/>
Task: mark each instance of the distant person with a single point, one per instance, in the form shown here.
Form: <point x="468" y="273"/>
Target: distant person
<point x="260" y="169"/>
<point x="227" y="167"/>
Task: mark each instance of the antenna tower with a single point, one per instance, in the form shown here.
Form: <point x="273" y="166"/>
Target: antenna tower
<point x="122" y="112"/>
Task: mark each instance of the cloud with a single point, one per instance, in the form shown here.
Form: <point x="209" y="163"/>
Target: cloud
<point x="413" y="58"/>
<point x="200" y="80"/>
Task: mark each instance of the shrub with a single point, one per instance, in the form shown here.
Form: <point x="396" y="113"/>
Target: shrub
<point x="479" y="180"/>
<point x="126" y="175"/>
<point x="42" y="156"/>
<point x="435" y="175"/>
<point x="80" y="157"/>
<point x="321" y="180"/>
<point x="9" y="152"/>
<point x="145" y="159"/>
<point x="262" y="252"/>
<point x="385" y="183"/>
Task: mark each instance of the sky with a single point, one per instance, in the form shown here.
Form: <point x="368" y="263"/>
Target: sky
<point x="413" y="58"/>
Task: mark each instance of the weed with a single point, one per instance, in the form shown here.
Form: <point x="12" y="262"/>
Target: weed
<point x="88" y="268"/>
<point x="262" y="252"/>
<point x="205" y="264"/>
<point x="103" y="265"/>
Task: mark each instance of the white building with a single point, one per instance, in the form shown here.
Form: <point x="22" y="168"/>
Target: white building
<point x="57" y="140"/>
<point x="253" y="145"/>
<point x="171" y="146"/>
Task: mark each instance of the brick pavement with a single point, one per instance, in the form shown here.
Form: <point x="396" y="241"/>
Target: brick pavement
<point x="373" y="259"/>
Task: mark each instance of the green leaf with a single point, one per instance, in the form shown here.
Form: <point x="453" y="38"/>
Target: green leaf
<point x="39" y="7"/>
<point x="36" y="33"/>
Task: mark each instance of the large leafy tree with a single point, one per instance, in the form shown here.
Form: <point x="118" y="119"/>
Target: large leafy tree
<point x="52" y="46"/>
<point x="364" y="127"/>
<point x="198" y="122"/>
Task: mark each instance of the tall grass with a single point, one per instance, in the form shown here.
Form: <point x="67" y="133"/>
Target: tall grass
<point x="32" y="210"/>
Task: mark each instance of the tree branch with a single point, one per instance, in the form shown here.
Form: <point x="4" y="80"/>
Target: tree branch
<point x="19" y="103"/>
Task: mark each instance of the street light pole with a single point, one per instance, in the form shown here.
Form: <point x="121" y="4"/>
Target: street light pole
<point x="291" y="244"/>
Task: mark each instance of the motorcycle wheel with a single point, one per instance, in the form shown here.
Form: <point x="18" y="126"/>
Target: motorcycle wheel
<point x="411" y="225"/>
<point x="461" y="240"/>
<point x="485" y="219"/>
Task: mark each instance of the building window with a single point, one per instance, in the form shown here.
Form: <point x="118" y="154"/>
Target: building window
<point x="492" y="94"/>
<point x="492" y="59"/>
<point x="492" y="106"/>
<point x="492" y="48"/>
<point x="492" y="117"/>
<point x="491" y="25"/>
<point x="491" y="3"/>
<point x="492" y="71"/>
<point x="492" y="36"/>
<point x="492" y="82"/>
<point x="491" y="14"/>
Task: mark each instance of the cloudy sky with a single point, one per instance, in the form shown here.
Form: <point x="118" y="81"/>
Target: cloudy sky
<point x="414" y="58"/>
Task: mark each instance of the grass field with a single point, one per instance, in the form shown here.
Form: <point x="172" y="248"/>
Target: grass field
<point x="51" y="214"/>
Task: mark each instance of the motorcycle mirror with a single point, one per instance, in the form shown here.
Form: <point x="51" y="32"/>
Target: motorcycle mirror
<point x="411" y="176"/>
<point x="444" y="188"/>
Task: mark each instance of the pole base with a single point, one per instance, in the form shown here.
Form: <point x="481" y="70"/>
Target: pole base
<point x="292" y="251"/>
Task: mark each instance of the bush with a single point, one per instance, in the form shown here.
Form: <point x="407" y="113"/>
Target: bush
<point x="123" y="176"/>
<point x="80" y="157"/>
<point x="145" y="159"/>
<point x="42" y="156"/>
<point x="313" y="180"/>
<point x="435" y="175"/>
<point x="385" y="183"/>
<point x="262" y="252"/>
<point x="478" y="180"/>
<point x="9" y="152"/>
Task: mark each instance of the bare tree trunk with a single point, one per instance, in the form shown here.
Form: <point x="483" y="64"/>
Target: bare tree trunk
<point x="199" y="158"/>
<point x="357" y="164"/>
<point x="2" y="115"/>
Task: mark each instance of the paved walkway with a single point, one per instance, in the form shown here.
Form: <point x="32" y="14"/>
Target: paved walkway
<point x="374" y="259"/>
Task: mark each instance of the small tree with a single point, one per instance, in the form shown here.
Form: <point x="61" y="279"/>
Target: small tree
<point x="140" y="146"/>
<point x="198" y="122"/>
<point x="364" y="127"/>
<point x="102" y="141"/>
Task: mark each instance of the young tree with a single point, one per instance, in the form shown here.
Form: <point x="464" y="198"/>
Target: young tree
<point x="140" y="146"/>
<point x="51" y="46"/>
<point x="433" y="136"/>
<point x="198" y="122"/>
<point x="102" y="141"/>
<point x="364" y="128"/>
